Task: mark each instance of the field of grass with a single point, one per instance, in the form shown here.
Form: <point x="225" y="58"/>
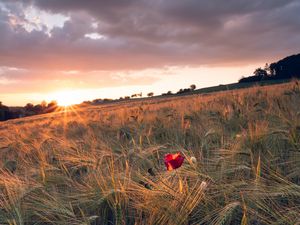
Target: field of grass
<point x="105" y="164"/>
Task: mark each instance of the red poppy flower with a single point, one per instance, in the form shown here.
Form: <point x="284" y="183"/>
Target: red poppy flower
<point x="173" y="161"/>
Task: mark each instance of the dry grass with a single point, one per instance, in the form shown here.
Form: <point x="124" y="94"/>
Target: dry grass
<point x="104" y="165"/>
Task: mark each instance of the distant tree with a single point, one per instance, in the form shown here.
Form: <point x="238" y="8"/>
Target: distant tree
<point x="150" y="94"/>
<point x="127" y="97"/>
<point x="286" y="68"/>
<point x="97" y="101"/>
<point x="52" y="106"/>
<point x="136" y="95"/>
<point x="44" y="104"/>
<point x="29" y="107"/>
<point x="259" y="72"/>
<point x="193" y="87"/>
<point x="38" y="109"/>
<point x="267" y="69"/>
<point x="86" y="103"/>
<point x="168" y="93"/>
<point x="272" y="68"/>
<point x="4" y="112"/>
<point x="182" y="91"/>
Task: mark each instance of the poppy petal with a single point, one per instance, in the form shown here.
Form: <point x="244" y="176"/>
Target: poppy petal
<point x="173" y="161"/>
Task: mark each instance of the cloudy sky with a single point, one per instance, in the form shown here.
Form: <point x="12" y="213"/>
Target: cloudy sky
<point x="112" y="48"/>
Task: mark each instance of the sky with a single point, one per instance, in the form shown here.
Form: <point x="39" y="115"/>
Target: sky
<point x="112" y="48"/>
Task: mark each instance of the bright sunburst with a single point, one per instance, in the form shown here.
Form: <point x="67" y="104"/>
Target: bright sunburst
<point x="66" y="98"/>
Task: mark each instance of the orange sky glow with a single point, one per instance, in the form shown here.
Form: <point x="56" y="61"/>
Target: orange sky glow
<point x="75" y="92"/>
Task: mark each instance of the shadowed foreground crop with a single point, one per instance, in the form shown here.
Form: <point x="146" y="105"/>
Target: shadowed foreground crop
<point x="105" y="164"/>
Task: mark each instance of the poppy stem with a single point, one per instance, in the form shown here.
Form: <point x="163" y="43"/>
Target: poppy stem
<point x="168" y="186"/>
<point x="179" y="180"/>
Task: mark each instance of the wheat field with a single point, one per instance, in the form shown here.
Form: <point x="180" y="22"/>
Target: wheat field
<point x="104" y="164"/>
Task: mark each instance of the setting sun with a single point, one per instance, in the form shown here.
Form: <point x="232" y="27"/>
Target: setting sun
<point x="66" y="98"/>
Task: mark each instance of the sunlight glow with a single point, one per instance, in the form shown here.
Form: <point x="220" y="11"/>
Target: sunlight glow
<point x="66" y="97"/>
<point x="69" y="93"/>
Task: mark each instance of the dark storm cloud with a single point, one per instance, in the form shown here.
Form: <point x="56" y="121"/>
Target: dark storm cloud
<point x="140" y="34"/>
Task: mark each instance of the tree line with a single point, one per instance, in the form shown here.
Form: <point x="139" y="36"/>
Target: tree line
<point x="286" y="68"/>
<point x="29" y="109"/>
<point x="139" y="95"/>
